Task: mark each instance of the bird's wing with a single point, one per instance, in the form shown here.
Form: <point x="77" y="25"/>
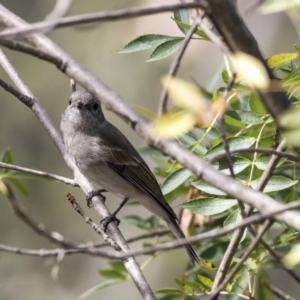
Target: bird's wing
<point x="122" y="157"/>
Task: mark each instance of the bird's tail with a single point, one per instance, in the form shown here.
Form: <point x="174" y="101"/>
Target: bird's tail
<point x="176" y="230"/>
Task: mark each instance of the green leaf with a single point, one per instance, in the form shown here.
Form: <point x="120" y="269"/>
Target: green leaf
<point x="262" y="161"/>
<point x="145" y="42"/>
<point x="276" y="183"/>
<point x="280" y="59"/>
<point x="98" y="287"/>
<point x="7" y="156"/>
<point x="239" y="165"/>
<point x="118" y="265"/>
<point x="261" y="291"/>
<point x="175" y="180"/>
<point x="273" y="6"/>
<point x="198" y="32"/>
<point x="242" y="116"/>
<point x="138" y="222"/>
<point x="209" y="206"/>
<point x="206" y="188"/>
<point x="292" y="258"/>
<point x="206" y="281"/>
<point x="234" y="143"/>
<point x="182" y="16"/>
<point x="19" y="185"/>
<point x="225" y="76"/>
<point x="256" y="105"/>
<point x="166" y="49"/>
<point x="207" y="265"/>
<point x="171" y="291"/>
<point x="113" y="274"/>
<point x="234" y="218"/>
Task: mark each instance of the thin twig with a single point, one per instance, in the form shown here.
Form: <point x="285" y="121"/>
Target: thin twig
<point x="213" y="234"/>
<point x="277" y="292"/>
<point x="60" y="9"/>
<point x="113" y="15"/>
<point x="281" y="154"/>
<point x="90" y="222"/>
<point x="38" y="173"/>
<point x="264" y="228"/>
<point x="22" y="47"/>
<point x="162" y="108"/>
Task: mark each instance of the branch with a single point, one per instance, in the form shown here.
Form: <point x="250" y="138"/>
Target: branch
<point x="114" y="15"/>
<point x="214" y="295"/>
<point x="38" y="173"/>
<point x="116" y="104"/>
<point x="277" y="292"/>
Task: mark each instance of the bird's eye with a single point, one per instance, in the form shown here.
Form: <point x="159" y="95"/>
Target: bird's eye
<point x="95" y="106"/>
<point x="70" y="102"/>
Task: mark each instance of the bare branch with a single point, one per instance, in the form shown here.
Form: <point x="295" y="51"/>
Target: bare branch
<point x="60" y="9"/>
<point x="90" y="222"/>
<point x="277" y="292"/>
<point x="114" y="15"/>
<point x="38" y="173"/>
<point x="215" y="293"/>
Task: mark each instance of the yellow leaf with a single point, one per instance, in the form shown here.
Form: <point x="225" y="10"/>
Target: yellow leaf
<point x="4" y="189"/>
<point x="292" y="259"/>
<point x="251" y="70"/>
<point x="185" y="94"/>
<point x="278" y="59"/>
<point x="145" y="111"/>
<point x="171" y="125"/>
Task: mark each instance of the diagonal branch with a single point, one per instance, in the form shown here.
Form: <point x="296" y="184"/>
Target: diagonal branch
<point x="114" y="15"/>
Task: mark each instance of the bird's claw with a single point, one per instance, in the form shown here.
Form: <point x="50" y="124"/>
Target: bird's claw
<point x="107" y="220"/>
<point x="92" y="194"/>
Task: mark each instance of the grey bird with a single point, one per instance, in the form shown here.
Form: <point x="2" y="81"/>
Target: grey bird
<point x="106" y="157"/>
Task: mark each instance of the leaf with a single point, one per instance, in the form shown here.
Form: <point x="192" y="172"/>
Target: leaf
<point x="261" y="291"/>
<point x="145" y="111"/>
<point x="7" y="156"/>
<point x="209" y="206"/>
<point x="171" y="125"/>
<point x="275" y="183"/>
<point x="19" y="185"/>
<point x="251" y="70"/>
<point x="239" y="165"/>
<point x="185" y="94"/>
<point x="243" y="116"/>
<point x="207" y="265"/>
<point x="182" y="16"/>
<point x="256" y="105"/>
<point x="206" y="281"/>
<point x="198" y="32"/>
<point x="234" y="218"/>
<point x="138" y="222"/>
<point x="166" y="49"/>
<point x="234" y="143"/>
<point x="113" y="274"/>
<point x="175" y="180"/>
<point x="145" y="42"/>
<point x="280" y="59"/>
<point x="225" y="76"/>
<point x="262" y="161"/>
<point x="206" y="188"/>
<point x="292" y="259"/>
<point x="273" y="6"/>
<point x="98" y="287"/>
<point x="171" y="291"/>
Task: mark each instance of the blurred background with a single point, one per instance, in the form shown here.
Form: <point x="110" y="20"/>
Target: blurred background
<point x="138" y="82"/>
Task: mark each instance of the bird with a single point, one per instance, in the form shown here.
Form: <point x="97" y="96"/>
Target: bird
<point x="107" y="158"/>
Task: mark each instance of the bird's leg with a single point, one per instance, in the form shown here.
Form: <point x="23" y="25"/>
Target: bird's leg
<point x="94" y="193"/>
<point x="112" y="217"/>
